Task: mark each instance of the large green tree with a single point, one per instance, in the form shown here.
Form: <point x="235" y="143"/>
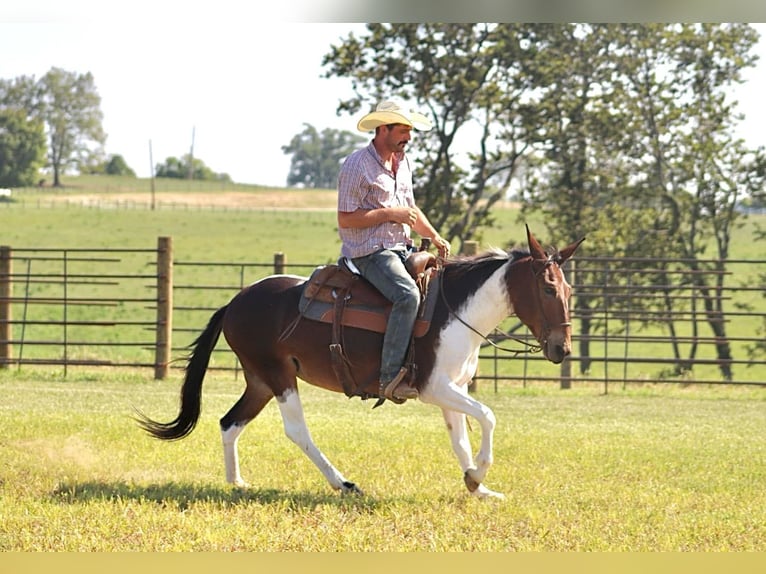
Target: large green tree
<point x="316" y="157"/>
<point x="621" y="132"/>
<point x="636" y="131"/>
<point x="69" y="106"/>
<point x="466" y="78"/>
<point x="22" y="148"/>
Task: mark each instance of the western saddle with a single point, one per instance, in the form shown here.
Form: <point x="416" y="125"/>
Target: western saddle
<point x="340" y="296"/>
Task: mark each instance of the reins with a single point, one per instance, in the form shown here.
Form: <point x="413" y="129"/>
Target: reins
<point x="531" y="348"/>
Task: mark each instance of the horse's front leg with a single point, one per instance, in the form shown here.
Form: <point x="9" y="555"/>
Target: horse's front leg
<point x="456" y="404"/>
<point x="296" y="430"/>
<point x="474" y="477"/>
<point x="458" y="434"/>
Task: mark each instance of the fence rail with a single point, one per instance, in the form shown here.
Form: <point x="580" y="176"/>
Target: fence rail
<point x="141" y="308"/>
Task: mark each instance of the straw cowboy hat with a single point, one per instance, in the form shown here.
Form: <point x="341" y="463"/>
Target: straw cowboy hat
<point x="393" y="112"/>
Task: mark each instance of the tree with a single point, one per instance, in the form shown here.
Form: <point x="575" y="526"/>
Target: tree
<point x="116" y="165"/>
<point x="467" y="78"/>
<point x="316" y="157"/>
<point x="635" y="129"/>
<point x="69" y="106"/>
<point x="180" y="168"/>
<point x="715" y="171"/>
<point x="22" y="148"/>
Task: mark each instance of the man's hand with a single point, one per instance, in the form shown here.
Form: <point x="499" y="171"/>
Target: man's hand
<point x="405" y="215"/>
<point x="442" y="245"/>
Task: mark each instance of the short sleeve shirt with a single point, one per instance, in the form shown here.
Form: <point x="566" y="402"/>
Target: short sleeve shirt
<point x="365" y="183"/>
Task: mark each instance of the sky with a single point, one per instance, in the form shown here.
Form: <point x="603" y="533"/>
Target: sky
<point x="237" y="82"/>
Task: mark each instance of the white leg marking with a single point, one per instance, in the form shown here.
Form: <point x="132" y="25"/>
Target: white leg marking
<point x="230" y="454"/>
<point x="297" y="431"/>
<point x="484" y="492"/>
<point x="458" y="433"/>
<point x="456" y="362"/>
<point x="452" y="398"/>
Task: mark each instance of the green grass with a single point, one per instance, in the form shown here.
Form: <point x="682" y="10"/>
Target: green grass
<point x="638" y="470"/>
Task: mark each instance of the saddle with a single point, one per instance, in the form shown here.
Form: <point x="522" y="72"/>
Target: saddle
<point x="336" y="295"/>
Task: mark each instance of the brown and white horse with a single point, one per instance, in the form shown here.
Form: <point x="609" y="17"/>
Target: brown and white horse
<point x="477" y="294"/>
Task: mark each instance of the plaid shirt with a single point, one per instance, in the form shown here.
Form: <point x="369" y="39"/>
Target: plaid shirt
<point x="365" y="183"/>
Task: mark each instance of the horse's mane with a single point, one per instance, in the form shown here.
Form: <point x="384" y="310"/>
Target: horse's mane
<point x="461" y="264"/>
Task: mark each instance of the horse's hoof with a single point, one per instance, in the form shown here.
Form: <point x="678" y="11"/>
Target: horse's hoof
<point x="483" y="493"/>
<point x="470" y="483"/>
<point x="351" y="488"/>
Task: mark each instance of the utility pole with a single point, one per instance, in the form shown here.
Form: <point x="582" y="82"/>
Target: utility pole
<point x="151" y="172"/>
<point x="190" y="174"/>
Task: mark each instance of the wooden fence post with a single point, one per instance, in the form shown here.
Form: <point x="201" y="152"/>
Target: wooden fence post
<point x="164" y="306"/>
<point x="471" y="248"/>
<point x="279" y="263"/>
<point x="5" y="306"/>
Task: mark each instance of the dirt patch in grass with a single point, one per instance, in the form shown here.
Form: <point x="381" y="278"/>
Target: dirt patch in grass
<point x="287" y="199"/>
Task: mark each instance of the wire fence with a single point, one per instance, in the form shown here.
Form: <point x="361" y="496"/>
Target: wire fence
<point x="635" y="320"/>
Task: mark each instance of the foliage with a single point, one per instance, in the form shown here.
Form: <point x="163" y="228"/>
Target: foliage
<point x="633" y="133"/>
<point x="22" y="148"/>
<point x="464" y="75"/>
<point x="115" y="164"/>
<point x="69" y="106"/>
<point x="188" y="167"/>
<point x="316" y="157"/>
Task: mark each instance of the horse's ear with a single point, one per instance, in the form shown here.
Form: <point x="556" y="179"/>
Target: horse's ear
<point x="535" y="249"/>
<point x="568" y="251"/>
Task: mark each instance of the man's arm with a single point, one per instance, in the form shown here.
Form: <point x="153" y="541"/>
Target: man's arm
<point x="363" y="218"/>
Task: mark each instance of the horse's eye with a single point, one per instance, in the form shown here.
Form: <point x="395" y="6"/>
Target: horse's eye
<point x="551" y="291"/>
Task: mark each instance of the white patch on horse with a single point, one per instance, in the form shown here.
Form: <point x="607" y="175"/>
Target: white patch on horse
<point x="230" y="436"/>
<point x="456" y="361"/>
<point x="296" y="430"/>
<point x="458" y="346"/>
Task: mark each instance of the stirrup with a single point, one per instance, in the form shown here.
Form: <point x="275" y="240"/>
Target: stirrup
<point x="389" y="390"/>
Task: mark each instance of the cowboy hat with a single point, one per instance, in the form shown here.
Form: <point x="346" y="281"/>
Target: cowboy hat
<point x="392" y="112"/>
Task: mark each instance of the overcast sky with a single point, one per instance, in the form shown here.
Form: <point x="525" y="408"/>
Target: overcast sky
<point x="244" y="84"/>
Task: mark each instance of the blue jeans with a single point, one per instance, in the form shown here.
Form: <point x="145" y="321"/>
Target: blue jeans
<point x="385" y="270"/>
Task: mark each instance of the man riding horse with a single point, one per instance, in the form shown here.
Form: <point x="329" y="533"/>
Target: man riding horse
<point x="376" y="213"/>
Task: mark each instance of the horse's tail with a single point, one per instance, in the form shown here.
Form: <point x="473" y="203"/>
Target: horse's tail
<point x="191" y="391"/>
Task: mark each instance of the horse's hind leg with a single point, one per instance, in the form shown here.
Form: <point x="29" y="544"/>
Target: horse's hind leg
<point x="256" y="396"/>
<point x="295" y="428"/>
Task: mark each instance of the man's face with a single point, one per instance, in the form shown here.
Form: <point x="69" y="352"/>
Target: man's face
<point x="397" y="137"/>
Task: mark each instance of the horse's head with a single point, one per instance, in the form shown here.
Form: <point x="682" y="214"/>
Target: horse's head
<point x="547" y="314"/>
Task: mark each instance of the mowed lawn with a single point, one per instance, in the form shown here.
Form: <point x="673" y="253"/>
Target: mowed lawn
<point x="643" y="469"/>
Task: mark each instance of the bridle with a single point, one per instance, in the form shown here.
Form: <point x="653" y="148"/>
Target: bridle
<point x="546" y="324"/>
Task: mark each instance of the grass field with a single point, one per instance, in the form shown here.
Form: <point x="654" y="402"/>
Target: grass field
<point x="640" y="471"/>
